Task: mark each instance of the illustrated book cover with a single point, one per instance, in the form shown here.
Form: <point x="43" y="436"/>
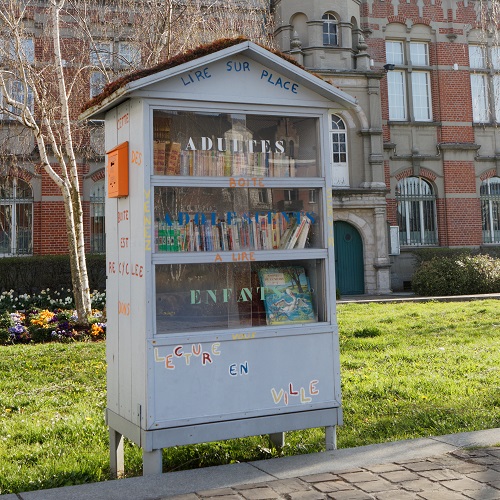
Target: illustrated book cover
<point x="287" y="295"/>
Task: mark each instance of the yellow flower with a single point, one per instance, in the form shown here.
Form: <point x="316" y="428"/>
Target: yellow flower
<point x="96" y="330"/>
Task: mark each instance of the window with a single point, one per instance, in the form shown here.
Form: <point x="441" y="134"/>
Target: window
<point x="108" y="57"/>
<point x="330" y="35"/>
<point x="97" y="229"/>
<point x="490" y="209"/>
<point x="16" y="217"/>
<point x="408" y="84"/>
<point x="338" y="142"/>
<point x="128" y="55"/>
<point x="416" y="212"/>
<point x="97" y="82"/>
<point x="100" y="54"/>
<point x="485" y="83"/>
<point x="23" y="94"/>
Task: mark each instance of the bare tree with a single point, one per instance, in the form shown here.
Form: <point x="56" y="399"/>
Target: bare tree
<point x="36" y="95"/>
<point x="95" y="40"/>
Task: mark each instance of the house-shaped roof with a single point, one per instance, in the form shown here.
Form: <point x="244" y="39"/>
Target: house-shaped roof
<point x="224" y="71"/>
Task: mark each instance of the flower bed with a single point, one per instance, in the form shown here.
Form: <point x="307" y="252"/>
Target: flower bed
<point x="48" y="317"/>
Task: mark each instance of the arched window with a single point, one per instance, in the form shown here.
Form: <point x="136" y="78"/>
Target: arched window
<point x="97" y="232"/>
<point x="416" y="212"/>
<point x="490" y="209"/>
<point x="16" y="217"/>
<point x="338" y="143"/>
<point x="330" y="31"/>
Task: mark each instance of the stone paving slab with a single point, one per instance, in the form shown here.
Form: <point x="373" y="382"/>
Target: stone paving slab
<point x="422" y="469"/>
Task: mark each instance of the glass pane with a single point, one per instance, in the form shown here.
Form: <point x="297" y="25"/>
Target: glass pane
<point x="496" y="96"/>
<point x="495" y="57"/>
<point x="5" y="229"/>
<point x="23" y="190"/>
<point x="24" y="220"/>
<point x="394" y="52"/>
<point x="226" y="219"/>
<point x="480" y="110"/>
<point x="397" y="95"/>
<point x="213" y="296"/>
<point x="100" y="54"/>
<point x="476" y="56"/>
<point x="421" y="95"/>
<point x="227" y="145"/>
<point x="6" y="188"/>
<point x="419" y="53"/>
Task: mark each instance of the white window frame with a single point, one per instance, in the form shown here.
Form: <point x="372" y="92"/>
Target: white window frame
<point x="479" y="96"/>
<point x="477" y="56"/>
<point x="129" y="55"/>
<point x="396" y="93"/>
<point x="18" y="94"/>
<point x="409" y="84"/>
<point x="338" y="151"/>
<point x="330" y="30"/>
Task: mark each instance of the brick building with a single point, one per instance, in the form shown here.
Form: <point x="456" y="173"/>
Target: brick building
<point x="422" y="153"/>
<point x="416" y="163"/>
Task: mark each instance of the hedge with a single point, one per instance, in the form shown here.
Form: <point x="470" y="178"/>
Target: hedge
<point x="459" y="275"/>
<point x="39" y="272"/>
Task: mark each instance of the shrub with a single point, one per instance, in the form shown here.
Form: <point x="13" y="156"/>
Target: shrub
<point x="460" y="275"/>
<point x="39" y="272"/>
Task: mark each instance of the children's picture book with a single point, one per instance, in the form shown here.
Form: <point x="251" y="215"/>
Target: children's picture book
<point x="287" y="295"/>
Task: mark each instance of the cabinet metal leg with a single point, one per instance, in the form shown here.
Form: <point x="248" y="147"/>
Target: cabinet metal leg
<point x="277" y="439"/>
<point x="331" y="437"/>
<point x="151" y="462"/>
<point x="116" y="454"/>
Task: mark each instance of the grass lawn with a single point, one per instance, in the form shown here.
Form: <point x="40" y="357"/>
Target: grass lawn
<point x="408" y="370"/>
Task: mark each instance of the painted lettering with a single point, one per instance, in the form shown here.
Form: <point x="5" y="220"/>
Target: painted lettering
<point x="246" y="182"/>
<point x="168" y="363"/>
<point x="233" y="145"/>
<point x="179" y="352"/>
<point x="243" y="256"/>
<point x="199" y="75"/>
<point x="236" y="369"/>
<point x="124" y="308"/>
<point x="243" y="336"/>
<point x="122" y="121"/>
<point x="123" y="242"/>
<point x="279" y="82"/>
<point x="123" y="215"/>
<point x="111" y="268"/>
<point x="137" y="271"/>
<point x="237" y="66"/>
<point x="304" y="394"/>
<point x="136" y="158"/>
<point x="303" y="398"/>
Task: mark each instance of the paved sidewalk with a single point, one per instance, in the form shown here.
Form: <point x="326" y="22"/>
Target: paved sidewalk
<point x="458" y="466"/>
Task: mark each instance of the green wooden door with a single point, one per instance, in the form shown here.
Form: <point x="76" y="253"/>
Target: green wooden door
<point x="349" y="265"/>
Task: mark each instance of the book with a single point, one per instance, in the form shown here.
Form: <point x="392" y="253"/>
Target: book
<point x="287" y="295"/>
<point x="173" y="162"/>
<point x="298" y="231"/>
<point x="302" y="239"/>
<point x="159" y="157"/>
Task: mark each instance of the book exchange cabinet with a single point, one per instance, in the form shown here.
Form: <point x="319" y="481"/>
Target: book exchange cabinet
<point x="220" y="259"/>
